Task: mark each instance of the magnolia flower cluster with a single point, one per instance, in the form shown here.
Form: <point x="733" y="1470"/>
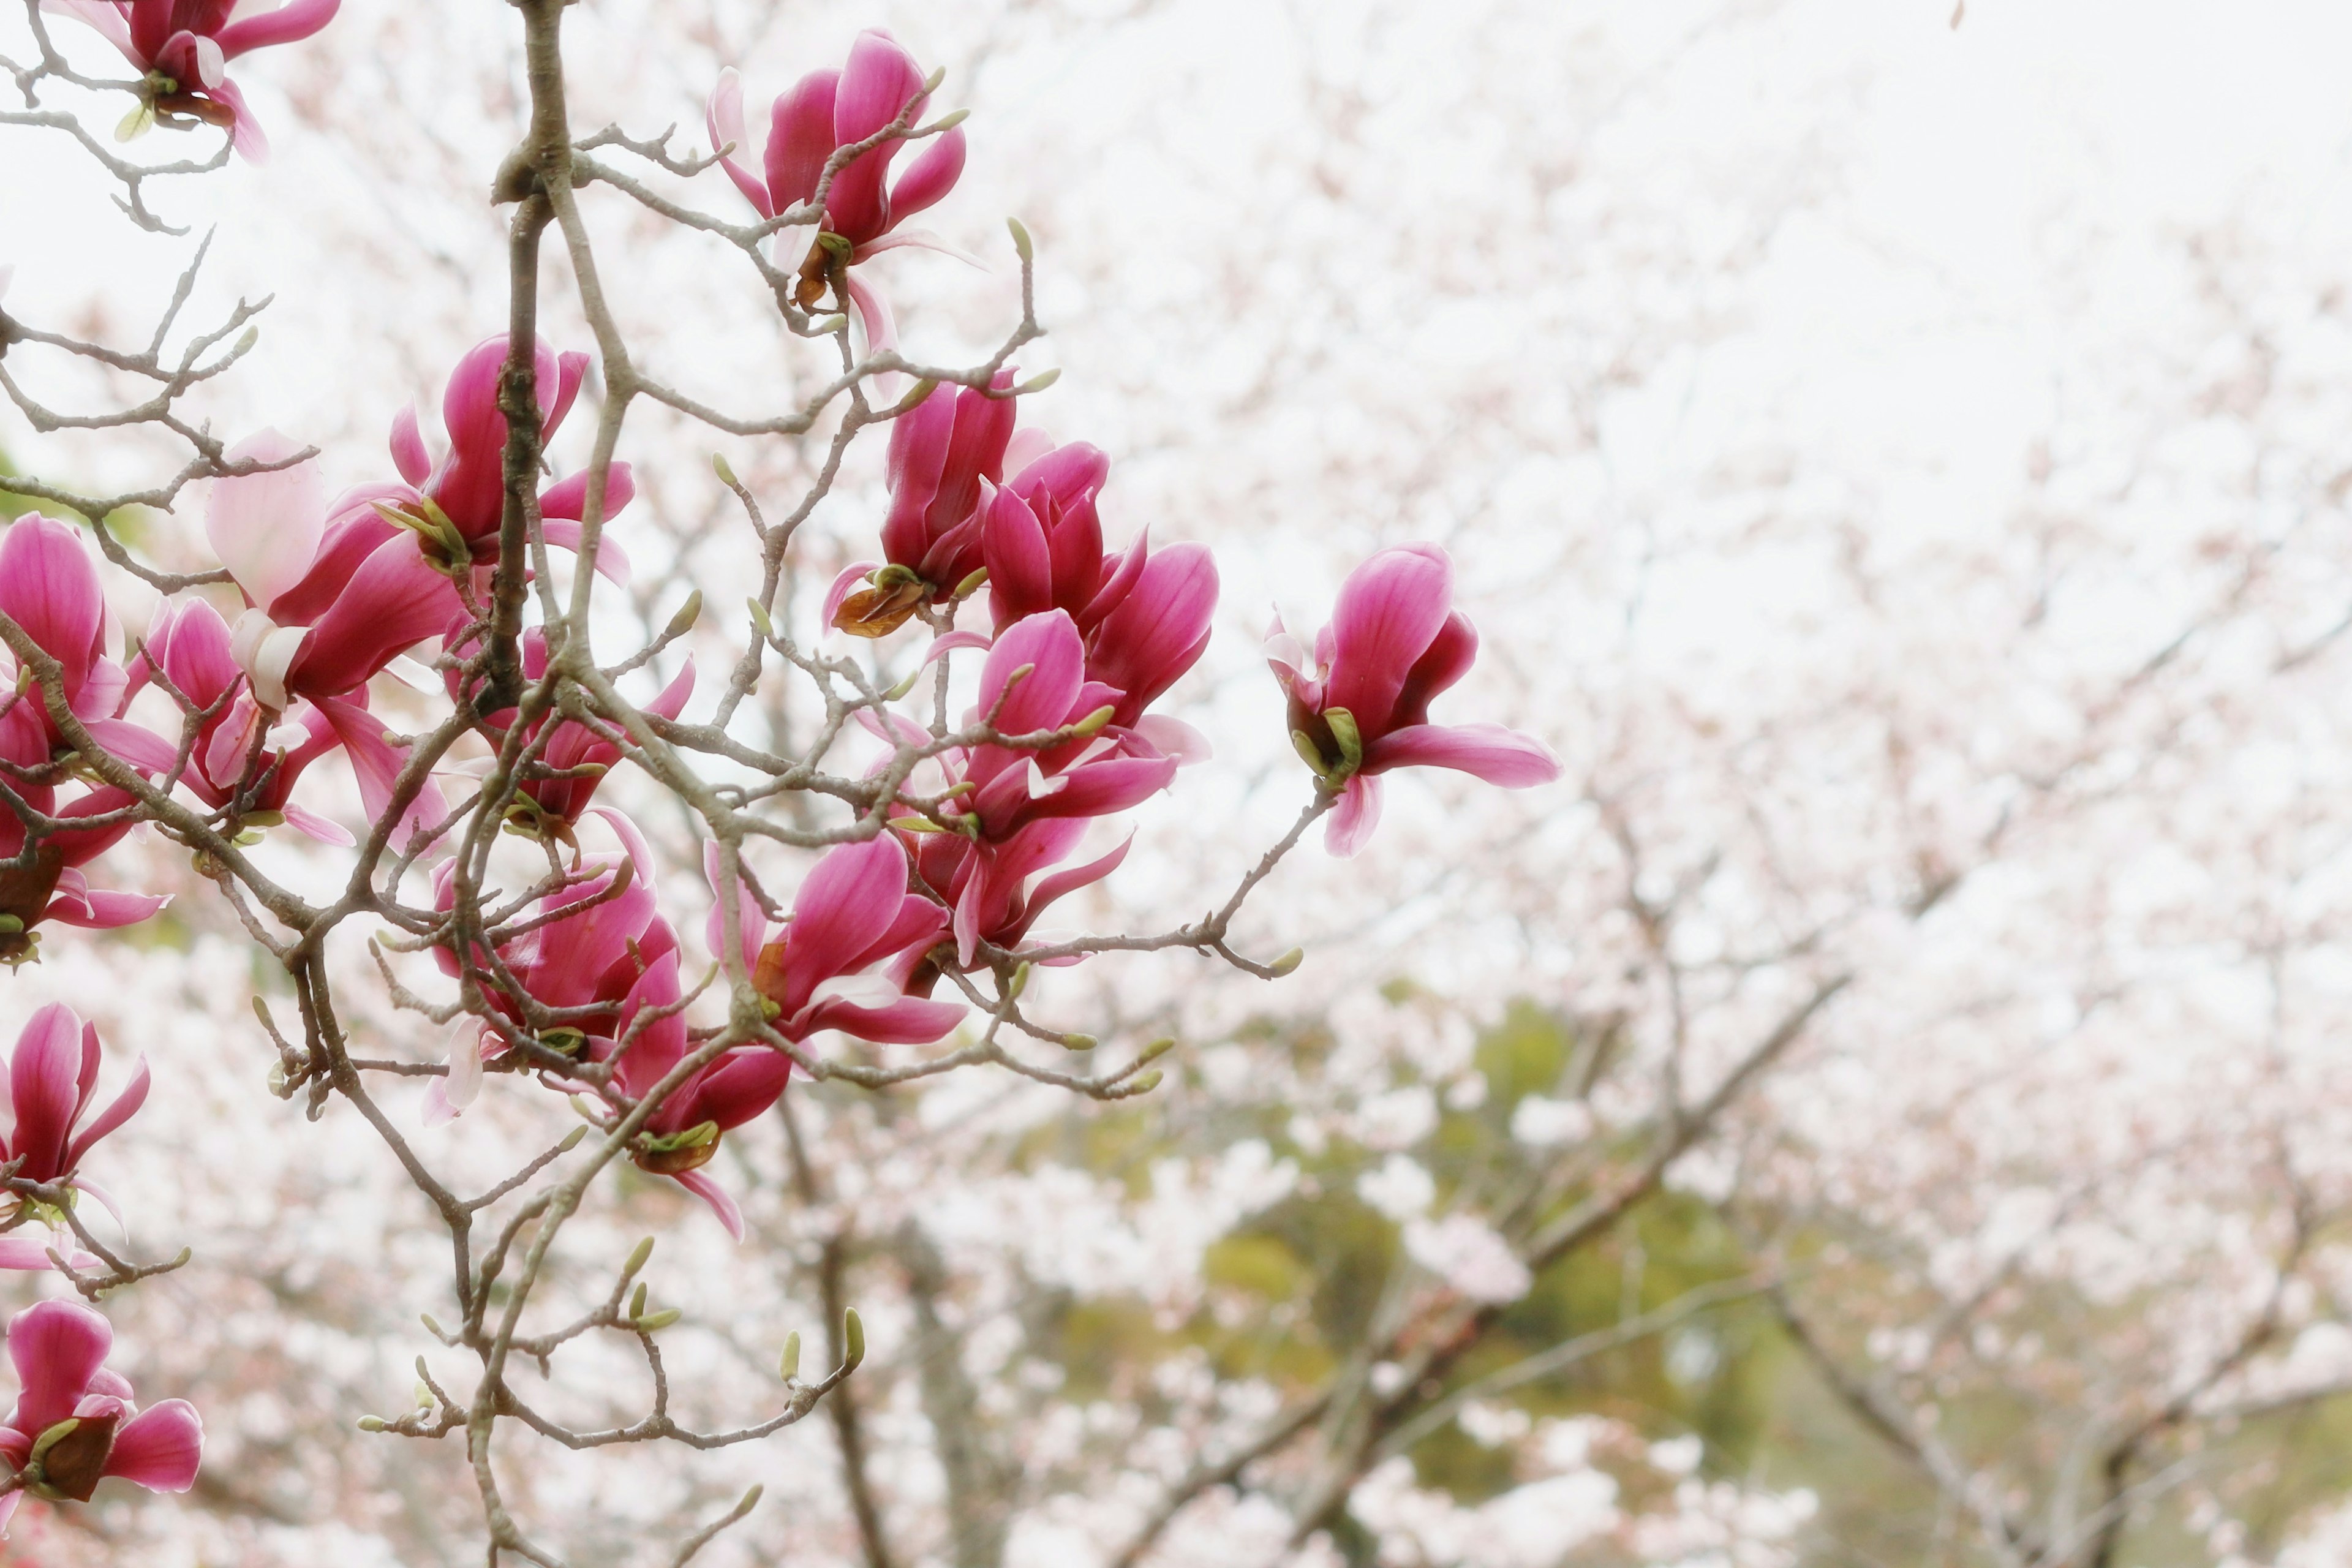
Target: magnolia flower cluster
<point x="981" y="829"/>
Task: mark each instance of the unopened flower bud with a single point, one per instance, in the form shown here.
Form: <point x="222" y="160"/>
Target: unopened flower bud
<point x="1020" y="244"/>
<point x="637" y="1255"/>
<point x="949" y="121"/>
<point x="432" y="1326"/>
<point x="914" y="397"/>
<point x="1288" y="962"/>
<point x="972" y="584"/>
<point x="372" y="1424"/>
<point x="1019" y="982"/>
<point x="658" y="1322"/>
<point x="1145" y="1083"/>
<point x="688" y="614"/>
<point x="637" y="1302"/>
<point x="572" y="1140"/>
<point x="853" y="1340"/>
<point x="1155" y="1050"/>
<point x="790" y="1366"/>
<point x="932" y="82"/>
<point x="1079" y="1042"/>
<point x="760" y="621"/>
<point x="1038" y="383"/>
<point x="718" y="466"/>
<point x="1093" y="722"/>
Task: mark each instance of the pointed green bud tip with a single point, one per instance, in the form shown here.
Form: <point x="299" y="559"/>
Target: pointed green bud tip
<point x="790" y="1365"/>
<point x="1155" y="1050"/>
<point x="572" y="1140"/>
<point x="1038" y="383"/>
<point x="638" y="1301"/>
<point x="1145" y="1083"/>
<point x="374" y="1424"/>
<point x="658" y="1322"/>
<point x="905" y="686"/>
<point x="1288" y="962"/>
<point x="827" y="326"/>
<point x="432" y="1326"/>
<point x="637" y="1255"/>
<point x="852" y="1339"/>
<point x="1019" y="982"/>
<point x="1095" y="720"/>
<point x="751" y="1498"/>
<point x="1350" y="739"/>
<point x="424" y="1374"/>
<point x="180" y="1258"/>
<point x="1020" y="243"/>
<point x="1305" y="746"/>
<point x="422" y="1395"/>
<point x="726" y="472"/>
<point x="688" y="614"/>
<point x="971" y="584"/>
<point x="932" y="82"/>
<point x="951" y="119"/>
<point x="1079" y="1042"/>
<point x="760" y="621"/>
<point x="916" y="395"/>
<point x="247" y="338"/>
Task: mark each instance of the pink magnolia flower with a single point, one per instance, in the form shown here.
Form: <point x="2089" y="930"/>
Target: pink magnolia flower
<point x="825" y="111"/>
<point x="554" y="804"/>
<point x="337" y="592"/>
<point x="455" y="504"/>
<point x="52" y="888"/>
<point x="946" y="453"/>
<point x="590" y="944"/>
<point x="51" y="1080"/>
<point x="237" y="754"/>
<point x="183" y="47"/>
<point x="1144" y="617"/>
<point x="1361" y="707"/>
<point x="74" y="1423"/>
<point x="998" y="891"/>
<point x="683" y="1133"/>
<point x="845" y="957"/>
<point x="50" y="587"/>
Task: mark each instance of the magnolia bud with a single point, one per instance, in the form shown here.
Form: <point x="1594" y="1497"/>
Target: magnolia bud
<point x="932" y="82"/>
<point x="949" y="121"/>
<point x="825" y="326"/>
<point x="1019" y="982"/>
<point x="372" y="1424"/>
<point x="1145" y="1083"/>
<point x="1079" y="1042"/>
<point x="853" y="1340"/>
<point x="1155" y="1050"/>
<point x="914" y="397"/>
<point x="422" y="1394"/>
<point x="658" y="1322"/>
<point x="1093" y="722"/>
<point x="972" y="584"/>
<point x="688" y="614"/>
<point x="1038" y="383"/>
<point x="1288" y="962"/>
<point x="726" y="475"/>
<point x="760" y="621"/>
<point x="790" y="1366"/>
<point x="1021" y="245"/>
<point x="637" y="1302"/>
<point x="637" y="1255"/>
<point x="572" y="1140"/>
<point x="431" y="1327"/>
<point x="751" y="1498"/>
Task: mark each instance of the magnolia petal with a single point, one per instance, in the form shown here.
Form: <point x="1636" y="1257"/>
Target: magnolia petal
<point x="159" y="1449"/>
<point x="103" y="909"/>
<point x="58" y="1347"/>
<point x="1351" y="826"/>
<point x="1488" y="751"/>
<point x="711" y="1193"/>
<point x="266" y="527"/>
<point x="1174" y="738"/>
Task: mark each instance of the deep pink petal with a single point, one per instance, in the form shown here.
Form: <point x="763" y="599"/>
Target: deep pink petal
<point x="1048" y="647"/>
<point x="724" y="117"/>
<point x="1158" y="630"/>
<point x="125" y="1106"/>
<point x="1019" y="559"/>
<point x="376" y="765"/>
<point x="56" y="1347"/>
<point x="49" y="586"/>
<point x="1488" y="751"/>
<point x="290" y="23"/>
<point x="915" y="1021"/>
<point x="105" y="909"/>
<point x="1389" y="610"/>
<point x="849" y="900"/>
<point x="160" y="1447"/>
<point x="396" y="600"/>
<point x="930" y="177"/>
<point x="800" y="139"/>
<point x="45" y="1088"/>
<point x="877" y="85"/>
<point x="408" y="453"/>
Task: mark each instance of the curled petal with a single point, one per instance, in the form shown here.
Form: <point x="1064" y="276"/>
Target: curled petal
<point x="58" y="1347"/>
<point x="1488" y="751"/>
<point x="724" y="117"/>
<point x="930" y="177"/>
<point x="1389" y="610"/>
<point x="700" y="1184"/>
<point x="1351" y="825"/>
<point x="408" y="453"/>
